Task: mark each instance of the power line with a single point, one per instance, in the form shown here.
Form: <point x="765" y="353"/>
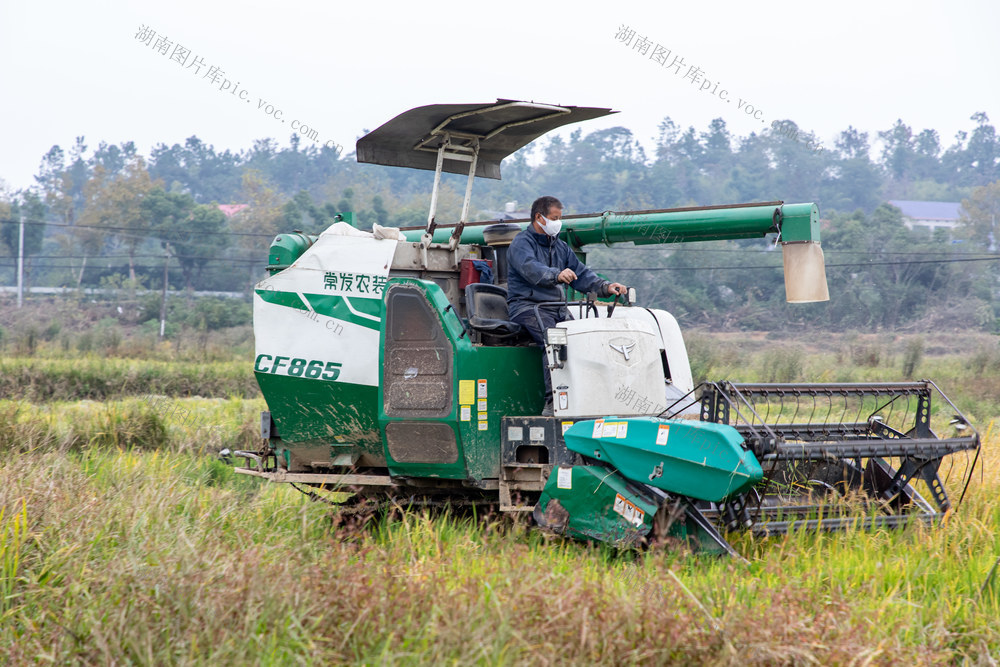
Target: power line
<point x="778" y="266"/>
<point x="98" y="265"/>
<point x="216" y="260"/>
<point x="100" y="258"/>
<point x="674" y="248"/>
<point x="131" y="229"/>
<point x="825" y="251"/>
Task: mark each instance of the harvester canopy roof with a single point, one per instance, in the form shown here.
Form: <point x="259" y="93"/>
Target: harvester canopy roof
<point x="412" y="138"/>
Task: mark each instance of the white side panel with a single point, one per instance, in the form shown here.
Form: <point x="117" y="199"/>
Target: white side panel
<point x="612" y="368"/>
<point x="671" y="341"/>
<point x="281" y="331"/>
<point x="677" y="356"/>
<point x="321" y="309"/>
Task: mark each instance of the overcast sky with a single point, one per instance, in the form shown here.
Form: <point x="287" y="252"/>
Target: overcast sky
<point x="76" y="68"/>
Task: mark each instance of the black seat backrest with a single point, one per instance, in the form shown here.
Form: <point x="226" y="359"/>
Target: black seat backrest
<point x="486" y="302"/>
<point x="486" y="306"/>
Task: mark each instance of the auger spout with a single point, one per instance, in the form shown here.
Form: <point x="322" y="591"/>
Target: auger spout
<point x="796" y="224"/>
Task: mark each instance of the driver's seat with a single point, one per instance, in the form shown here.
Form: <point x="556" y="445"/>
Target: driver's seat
<point x="486" y="306"/>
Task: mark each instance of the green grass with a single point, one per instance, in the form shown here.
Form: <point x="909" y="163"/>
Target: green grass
<point x="195" y="425"/>
<point x="97" y="378"/>
<point x="160" y="558"/>
<point x="123" y="541"/>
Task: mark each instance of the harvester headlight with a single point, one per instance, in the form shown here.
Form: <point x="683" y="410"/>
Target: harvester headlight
<point x="556" y="336"/>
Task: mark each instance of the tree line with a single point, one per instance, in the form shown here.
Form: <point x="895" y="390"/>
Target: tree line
<point x="109" y="214"/>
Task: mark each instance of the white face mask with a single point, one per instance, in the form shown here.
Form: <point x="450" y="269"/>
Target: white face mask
<point x="551" y="227"/>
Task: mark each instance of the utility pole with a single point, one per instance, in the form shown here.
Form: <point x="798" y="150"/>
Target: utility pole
<point x="163" y="300"/>
<point x="20" y="264"/>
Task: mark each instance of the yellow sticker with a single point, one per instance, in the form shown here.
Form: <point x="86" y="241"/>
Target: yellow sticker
<point x="482" y="416"/>
<point x="466" y="392"/>
<point x="565" y="427"/>
<point x="466" y="414"/>
<point x="482" y="425"/>
<point x="482" y="405"/>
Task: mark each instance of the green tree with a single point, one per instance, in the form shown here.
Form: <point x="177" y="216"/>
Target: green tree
<point x="190" y="230"/>
<point x="29" y="205"/>
<point x="853" y="182"/>
<point x="980" y="215"/>
<point x="115" y="202"/>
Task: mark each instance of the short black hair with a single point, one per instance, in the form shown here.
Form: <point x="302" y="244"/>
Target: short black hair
<point x="542" y="205"/>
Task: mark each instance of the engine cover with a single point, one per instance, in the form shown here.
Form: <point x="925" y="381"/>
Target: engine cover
<point x="606" y="358"/>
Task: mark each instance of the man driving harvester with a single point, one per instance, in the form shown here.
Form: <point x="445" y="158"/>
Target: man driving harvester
<point x="538" y="261"/>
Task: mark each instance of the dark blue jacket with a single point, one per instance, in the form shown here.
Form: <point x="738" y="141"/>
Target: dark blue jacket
<point x="533" y="263"/>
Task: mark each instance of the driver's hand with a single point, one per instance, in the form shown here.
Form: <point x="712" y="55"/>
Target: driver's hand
<point x="566" y="276"/>
<point x="617" y="288"/>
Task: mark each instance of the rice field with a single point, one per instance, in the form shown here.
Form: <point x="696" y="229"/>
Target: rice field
<point x="123" y="540"/>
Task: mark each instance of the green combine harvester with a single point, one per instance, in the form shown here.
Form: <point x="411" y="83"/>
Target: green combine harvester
<point x="392" y="372"/>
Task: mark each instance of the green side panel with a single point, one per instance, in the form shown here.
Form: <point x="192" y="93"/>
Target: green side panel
<point x="514" y="386"/>
<point x="332" y="306"/>
<point x="452" y="329"/>
<point x="701" y="460"/>
<point x="510" y="377"/>
<point x="597" y="503"/>
<point x="312" y="413"/>
<point x="594" y="502"/>
<point x="335" y="306"/>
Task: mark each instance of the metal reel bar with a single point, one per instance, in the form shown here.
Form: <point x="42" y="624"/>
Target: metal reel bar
<point x="831" y="424"/>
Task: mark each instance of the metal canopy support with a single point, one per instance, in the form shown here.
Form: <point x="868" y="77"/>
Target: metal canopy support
<point x="468" y="185"/>
<point x="468" y="151"/>
<point x="437" y="182"/>
<point x="479" y="135"/>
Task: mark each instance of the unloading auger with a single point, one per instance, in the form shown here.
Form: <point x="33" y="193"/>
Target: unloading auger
<point x="391" y="370"/>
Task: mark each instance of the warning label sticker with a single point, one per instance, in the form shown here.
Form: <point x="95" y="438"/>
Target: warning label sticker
<point x="483" y="425"/>
<point x="565" y="478"/>
<point x="598" y="428"/>
<point x="565" y="427"/>
<point x="481" y="389"/>
<point x="610" y="430"/>
<point x="466" y="391"/>
<point x="629" y="512"/>
<point x="663" y="434"/>
<point x="466" y="413"/>
<point x="481" y="405"/>
<point x="622" y="430"/>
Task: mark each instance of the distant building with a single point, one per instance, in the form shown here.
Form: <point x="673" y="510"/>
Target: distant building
<point x="232" y="209"/>
<point x="929" y="215"/>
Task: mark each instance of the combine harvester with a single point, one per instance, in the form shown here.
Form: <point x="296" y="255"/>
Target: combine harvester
<point x="391" y="372"/>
